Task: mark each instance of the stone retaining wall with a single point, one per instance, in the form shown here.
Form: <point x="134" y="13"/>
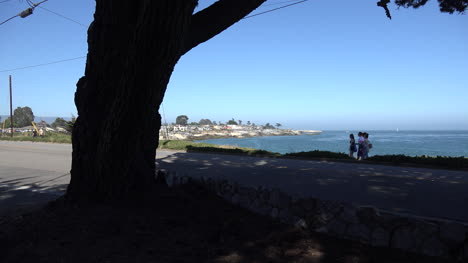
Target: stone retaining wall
<point x="367" y="225"/>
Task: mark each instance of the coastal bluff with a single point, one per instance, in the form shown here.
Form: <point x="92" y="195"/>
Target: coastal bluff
<point x="201" y="132"/>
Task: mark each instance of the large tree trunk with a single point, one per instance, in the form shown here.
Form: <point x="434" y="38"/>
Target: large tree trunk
<point x="133" y="48"/>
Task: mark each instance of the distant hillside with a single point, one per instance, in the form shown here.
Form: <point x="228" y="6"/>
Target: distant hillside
<point x="49" y="120"/>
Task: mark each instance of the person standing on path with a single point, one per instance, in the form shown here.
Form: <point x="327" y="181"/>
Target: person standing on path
<point x="352" y="145"/>
<point x="367" y="145"/>
<point x="360" y="145"/>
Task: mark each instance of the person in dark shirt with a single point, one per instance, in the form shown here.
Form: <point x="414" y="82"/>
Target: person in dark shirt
<point x="352" y="145"/>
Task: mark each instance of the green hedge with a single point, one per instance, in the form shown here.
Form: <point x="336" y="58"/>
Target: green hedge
<point x="190" y="146"/>
<point x="242" y="151"/>
<point x="440" y="161"/>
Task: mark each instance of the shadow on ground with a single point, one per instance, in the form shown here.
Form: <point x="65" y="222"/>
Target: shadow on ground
<point x="418" y="191"/>
<point x="181" y="224"/>
<point x="16" y="197"/>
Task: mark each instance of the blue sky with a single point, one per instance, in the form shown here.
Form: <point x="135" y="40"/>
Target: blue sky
<point x="317" y="65"/>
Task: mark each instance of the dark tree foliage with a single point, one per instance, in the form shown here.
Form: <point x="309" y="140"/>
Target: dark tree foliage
<point x="23" y="116"/>
<point x="411" y="3"/>
<point x="205" y="122"/>
<point x="447" y="6"/>
<point x="384" y="3"/>
<point x="69" y="124"/>
<point x="232" y="122"/>
<point x="7" y="123"/>
<point x="59" y="122"/>
<point x="42" y="123"/>
<point x="182" y="120"/>
<point x="451" y="6"/>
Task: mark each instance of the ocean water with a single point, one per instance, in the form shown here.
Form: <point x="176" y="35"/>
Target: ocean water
<point x="412" y="143"/>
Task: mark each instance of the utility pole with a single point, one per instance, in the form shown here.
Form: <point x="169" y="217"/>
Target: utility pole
<point x="11" y="110"/>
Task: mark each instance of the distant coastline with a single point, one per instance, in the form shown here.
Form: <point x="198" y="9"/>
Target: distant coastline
<point x="410" y="143"/>
<point x="206" y="132"/>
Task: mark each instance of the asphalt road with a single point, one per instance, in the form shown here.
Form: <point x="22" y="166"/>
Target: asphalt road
<point x="37" y="172"/>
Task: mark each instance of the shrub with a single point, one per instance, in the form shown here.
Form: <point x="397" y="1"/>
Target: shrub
<point x="441" y="161"/>
<point x="190" y="146"/>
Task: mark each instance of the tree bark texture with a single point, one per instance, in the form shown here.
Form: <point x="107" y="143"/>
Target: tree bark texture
<point x="133" y="46"/>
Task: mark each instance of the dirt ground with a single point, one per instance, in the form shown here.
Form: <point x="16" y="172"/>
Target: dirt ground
<point x="183" y="224"/>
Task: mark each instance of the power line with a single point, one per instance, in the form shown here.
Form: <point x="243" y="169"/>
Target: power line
<point x="8" y="19"/>
<point x="31" y="4"/>
<point x="278" y="3"/>
<point x="44" y="64"/>
<point x="4" y="1"/>
<point x="60" y="61"/>
<point x="57" y="14"/>
<point x="31" y="8"/>
<point x="27" y="12"/>
<point x="274" y="9"/>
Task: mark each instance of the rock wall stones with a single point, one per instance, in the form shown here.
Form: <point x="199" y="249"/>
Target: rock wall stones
<point x="365" y="224"/>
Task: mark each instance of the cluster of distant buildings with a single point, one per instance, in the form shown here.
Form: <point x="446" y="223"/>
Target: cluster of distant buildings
<point x="193" y="132"/>
<point x="40" y="125"/>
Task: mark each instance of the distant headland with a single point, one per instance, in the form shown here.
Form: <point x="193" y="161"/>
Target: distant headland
<point x="203" y="132"/>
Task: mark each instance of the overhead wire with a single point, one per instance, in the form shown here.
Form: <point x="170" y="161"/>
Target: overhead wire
<point x="26" y="12"/>
<point x="55" y="13"/>
<point x="274" y="9"/>
<point x="67" y="18"/>
<point x="31" y="4"/>
<point x="65" y="60"/>
<point x="278" y="3"/>
<point x="9" y="19"/>
<point x="43" y="64"/>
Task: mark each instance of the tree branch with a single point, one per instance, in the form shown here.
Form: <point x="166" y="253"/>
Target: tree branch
<point x="216" y="18"/>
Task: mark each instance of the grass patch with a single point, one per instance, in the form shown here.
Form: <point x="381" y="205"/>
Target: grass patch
<point x="180" y="145"/>
<point x="52" y="137"/>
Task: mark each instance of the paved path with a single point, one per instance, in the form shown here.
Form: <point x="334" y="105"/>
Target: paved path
<point x="419" y="191"/>
<point x="34" y="172"/>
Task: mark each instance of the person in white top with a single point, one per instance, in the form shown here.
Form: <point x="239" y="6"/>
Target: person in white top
<point x="367" y="146"/>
